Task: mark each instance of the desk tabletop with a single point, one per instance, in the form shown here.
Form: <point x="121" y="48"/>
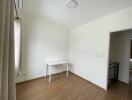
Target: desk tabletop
<point x="57" y="62"/>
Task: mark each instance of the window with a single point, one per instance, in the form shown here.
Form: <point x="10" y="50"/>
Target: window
<point x="17" y="37"/>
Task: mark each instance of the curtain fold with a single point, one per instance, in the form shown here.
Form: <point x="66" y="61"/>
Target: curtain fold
<point x="7" y="65"/>
<point x="19" y="3"/>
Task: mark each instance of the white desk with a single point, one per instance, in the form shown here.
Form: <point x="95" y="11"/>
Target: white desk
<point x="54" y="63"/>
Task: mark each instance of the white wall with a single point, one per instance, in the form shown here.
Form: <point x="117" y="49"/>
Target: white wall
<point x="42" y="40"/>
<point x="114" y="47"/>
<point x="89" y="46"/>
<point x="120" y="52"/>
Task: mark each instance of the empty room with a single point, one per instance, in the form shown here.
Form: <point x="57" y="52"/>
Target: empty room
<point x="65" y="49"/>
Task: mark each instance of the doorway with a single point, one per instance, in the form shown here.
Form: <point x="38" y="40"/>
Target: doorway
<point x="120" y="63"/>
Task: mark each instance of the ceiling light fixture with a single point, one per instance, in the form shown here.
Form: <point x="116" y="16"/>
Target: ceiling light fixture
<point x="71" y="4"/>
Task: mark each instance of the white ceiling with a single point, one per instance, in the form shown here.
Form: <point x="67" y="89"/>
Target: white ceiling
<point x="86" y="11"/>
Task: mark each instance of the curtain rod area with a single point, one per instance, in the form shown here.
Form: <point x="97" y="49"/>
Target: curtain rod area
<point x="17" y="17"/>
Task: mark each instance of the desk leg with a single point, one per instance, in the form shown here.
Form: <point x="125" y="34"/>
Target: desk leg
<point x="50" y="74"/>
<point x="67" y="70"/>
<point x="46" y="70"/>
<point x="61" y="69"/>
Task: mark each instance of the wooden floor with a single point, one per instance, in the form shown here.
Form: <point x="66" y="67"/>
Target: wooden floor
<point x="71" y="88"/>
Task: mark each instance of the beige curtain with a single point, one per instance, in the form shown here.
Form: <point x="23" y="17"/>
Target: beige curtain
<point x="7" y="73"/>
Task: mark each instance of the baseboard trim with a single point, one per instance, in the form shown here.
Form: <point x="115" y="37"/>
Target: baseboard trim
<point x="123" y="82"/>
<point x="89" y="82"/>
<point x="25" y="81"/>
<point x="37" y="78"/>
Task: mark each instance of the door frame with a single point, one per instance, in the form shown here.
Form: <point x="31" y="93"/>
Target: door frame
<point x="109" y="43"/>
